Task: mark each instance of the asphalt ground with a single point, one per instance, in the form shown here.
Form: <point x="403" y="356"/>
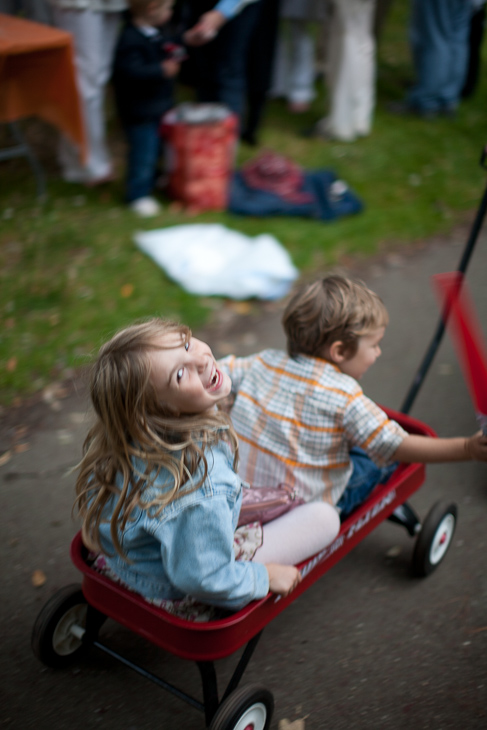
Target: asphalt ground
<point x="367" y="647"/>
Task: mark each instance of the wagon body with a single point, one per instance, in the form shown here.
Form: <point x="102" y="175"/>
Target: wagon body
<point x="220" y="638"/>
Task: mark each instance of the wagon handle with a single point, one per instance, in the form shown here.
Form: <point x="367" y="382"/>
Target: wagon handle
<point x="440" y="330"/>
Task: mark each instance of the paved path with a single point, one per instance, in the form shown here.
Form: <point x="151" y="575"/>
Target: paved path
<point x="367" y="647"/>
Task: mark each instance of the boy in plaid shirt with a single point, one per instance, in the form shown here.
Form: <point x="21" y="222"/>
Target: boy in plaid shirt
<point x="302" y="417"/>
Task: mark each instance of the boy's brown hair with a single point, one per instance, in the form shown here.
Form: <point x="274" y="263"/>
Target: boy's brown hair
<point x="329" y="310"/>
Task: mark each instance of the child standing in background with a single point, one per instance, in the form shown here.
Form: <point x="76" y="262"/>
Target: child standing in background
<point x="146" y="61"/>
<point x="157" y="490"/>
<point x="302" y="417"/>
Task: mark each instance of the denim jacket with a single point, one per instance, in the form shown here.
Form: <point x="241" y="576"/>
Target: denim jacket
<point x="188" y="548"/>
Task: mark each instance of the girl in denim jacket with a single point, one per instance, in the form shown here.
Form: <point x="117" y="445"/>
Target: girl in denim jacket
<point x="158" y="491"/>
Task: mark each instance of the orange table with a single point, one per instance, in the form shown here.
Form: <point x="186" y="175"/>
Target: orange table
<point x="37" y="76"/>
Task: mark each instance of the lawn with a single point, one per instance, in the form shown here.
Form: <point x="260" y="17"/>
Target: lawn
<point x="71" y="274"/>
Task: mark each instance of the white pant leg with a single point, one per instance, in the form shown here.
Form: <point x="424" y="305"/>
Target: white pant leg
<point x="95" y="35"/>
<point x="281" y="63"/>
<point x="299" y="534"/>
<point x="351" y="69"/>
<point x="302" y="67"/>
<point x="294" y="66"/>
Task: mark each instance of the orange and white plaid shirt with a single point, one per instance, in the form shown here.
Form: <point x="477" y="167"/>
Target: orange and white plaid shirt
<point x="297" y="419"/>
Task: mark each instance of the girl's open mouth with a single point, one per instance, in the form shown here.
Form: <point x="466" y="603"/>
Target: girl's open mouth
<point x="215" y="381"/>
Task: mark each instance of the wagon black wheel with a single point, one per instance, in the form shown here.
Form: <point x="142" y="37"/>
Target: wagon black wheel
<point x="56" y="636"/>
<point x="435" y="538"/>
<point x="246" y="708"/>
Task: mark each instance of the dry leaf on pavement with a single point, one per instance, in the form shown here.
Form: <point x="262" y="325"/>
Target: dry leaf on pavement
<point x="295" y="725"/>
<point x="38" y="578"/>
<point x="6" y="456"/>
<point x="20" y="448"/>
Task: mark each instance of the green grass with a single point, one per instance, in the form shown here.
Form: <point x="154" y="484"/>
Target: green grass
<point x="70" y="273"/>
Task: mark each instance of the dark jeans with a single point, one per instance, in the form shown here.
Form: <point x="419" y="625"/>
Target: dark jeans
<point x="144" y="152"/>
<point x="439" y="42"/>
<point x="365" y="477"/>
<point x="220" y="67"/>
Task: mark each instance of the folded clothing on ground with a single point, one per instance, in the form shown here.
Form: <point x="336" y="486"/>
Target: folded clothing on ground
<point x="271" y="185"/>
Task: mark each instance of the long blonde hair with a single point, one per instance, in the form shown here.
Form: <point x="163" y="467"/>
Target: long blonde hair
<point x="132" y="423"/>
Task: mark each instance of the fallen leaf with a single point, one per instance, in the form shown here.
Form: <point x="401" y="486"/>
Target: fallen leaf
<point x="19" y="448"/>
<point x="54" y="392"/>
<point x="38" y="578"/>
<point x="6" y="456"/>
<point x="296" y="725"/>
<point x="11" y="364"/>
<point x="127" y="290"/>
<point x="393" y="552"/>
<point x="240" y="307"/>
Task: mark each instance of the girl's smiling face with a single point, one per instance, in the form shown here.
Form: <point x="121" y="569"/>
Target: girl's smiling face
<point x="185" y="374"/>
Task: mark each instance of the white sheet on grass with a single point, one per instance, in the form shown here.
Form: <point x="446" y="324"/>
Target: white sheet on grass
<point x="210" y="259"/>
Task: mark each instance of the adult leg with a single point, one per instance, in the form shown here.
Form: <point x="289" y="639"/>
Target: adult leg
<point x="363" y="75"/>
<point x="94" y="37"/>
<point x="476" y="34"/>
<point x="351" y="70"/>
<point x="439" y="37"/>
<point x="457" y="30"/>
<point x="299" y="534"/>
<point x="260" y="63"/>
<point x="280" y="71"/>
<point x="231" y="68"/>
<point x="302" y="69"/>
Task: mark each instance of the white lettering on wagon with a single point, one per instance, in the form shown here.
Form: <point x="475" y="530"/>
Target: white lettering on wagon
<point x="323" y="555"/>
<point x="339" y="542"/>
<point x="387" y="499"/>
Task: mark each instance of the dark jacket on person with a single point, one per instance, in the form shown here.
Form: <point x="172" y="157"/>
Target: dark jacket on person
<point x="142" y="92"/>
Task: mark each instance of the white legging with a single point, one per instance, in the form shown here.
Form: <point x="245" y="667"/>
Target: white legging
<point x="299" y="534"/>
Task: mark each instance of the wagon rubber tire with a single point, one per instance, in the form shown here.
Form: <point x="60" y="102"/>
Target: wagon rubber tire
<point x="435" y="538"/>
<point x="52" y="641"/>
<point x="249" y="706"/>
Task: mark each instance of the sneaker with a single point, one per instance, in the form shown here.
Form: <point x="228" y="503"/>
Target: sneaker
<point x="145" y="207"/>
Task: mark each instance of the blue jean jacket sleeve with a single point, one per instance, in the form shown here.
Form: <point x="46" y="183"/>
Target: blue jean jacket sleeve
<point x="197" y="554"/>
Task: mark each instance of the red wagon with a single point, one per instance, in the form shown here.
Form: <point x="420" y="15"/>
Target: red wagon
<point x="70" y="622"/>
